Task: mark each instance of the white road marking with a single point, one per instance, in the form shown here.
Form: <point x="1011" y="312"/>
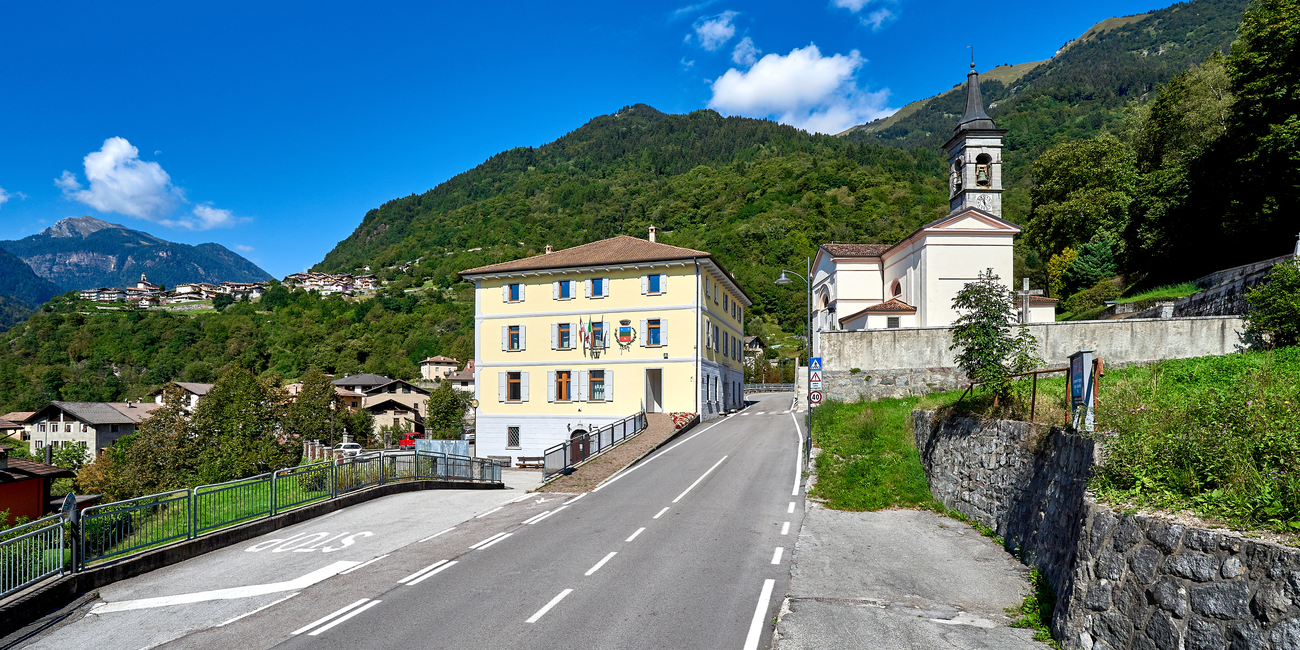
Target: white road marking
<point x="437" y="534"/>
<point x="761" y="413"/>
<point x="364" y="564"/>
<point x="422" y="571"/>
<point x="494" y="541"/>
<point x="339" y="612"/>
<point x="489" y="512"/>
<point x="297" y="584"/>
<point x="487" y="540"/>
<point x="516" y="499"/>
<point x="268" y="605"/>
<point x="431" y="574"/>
<point x="785" y="530"/>
<point x="756" y="625"/>
<point x="798" y="457"/>
<point x="745" y="413"/>
<point x="776" y="555"/>
<point x="345" y="617"/>
<point x="547" y="514"/>
<point x="535" y="517"/>
<point x="697" y="481"/>
<point x="661" y="513"/>
<point x="575" y="498"/>
<point x="619" y="475"/>
<point x="601" y="563"/>
<point x="790" y="510"/>
<point x="554" y="601"/>
<point x="638" y="532"/>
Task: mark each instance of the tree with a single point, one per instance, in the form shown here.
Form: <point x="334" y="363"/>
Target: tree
<point x="314" y="413"/>
<point x="161" y="455"/>
<point x="1083" y="192"/>
<point x="1274" y="315"/>
<point x="237" y="428"/>
<point x="222" y="300"/>
<point x="987" y="350"/>
<point x="1096" y="262"/>
<point x="1056" y="268"/>
<point x="276" y="296"/>
<point x="446" y="412"/>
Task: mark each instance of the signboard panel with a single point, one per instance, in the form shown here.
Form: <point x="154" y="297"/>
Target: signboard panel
<point x="1076" y="380"/>
<point x="815" y="364"/>
<point x="815" y="397"/>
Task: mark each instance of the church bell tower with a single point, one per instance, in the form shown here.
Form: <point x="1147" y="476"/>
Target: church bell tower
<point x="975" y="156"/>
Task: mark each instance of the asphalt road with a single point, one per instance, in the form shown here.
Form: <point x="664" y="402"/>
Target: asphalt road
<point x="690" y="549"/>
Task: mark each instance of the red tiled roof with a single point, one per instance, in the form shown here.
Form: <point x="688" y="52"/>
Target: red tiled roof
<point x="18" y="416"/>
<point x="22" y="470"/>
<point x="6" y="424"/>
<point x="1042" y="301"/>
<point x="894" y="306"/>
<point x="615" y="250"/>
<point x="856" y="250"/>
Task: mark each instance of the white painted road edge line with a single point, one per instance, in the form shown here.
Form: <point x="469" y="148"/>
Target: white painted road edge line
<point x="422" y="571"/>
<point x="487" y="540"/>
<point x="535" y="517"/>
<point x="431" y="574"/>
<point x="364" y="564"/>
<point x="601" y="563"/>
<point x="485" y="546"/>
<point x="785" y="529"/>
<point x="756" y="625"/>
<point x="697" y="481"/>
<point x="790" y="510"/>
<point x="345" y="617"/>
<point x="489" y="512"/>
<point x="776" y="555"/>
<point x="575" y="498"/>
<point x="516" y="499"/>
<point x="268" y="605"/>
<point x="661" y="513"/>
<point x="620" y="475"/>
<point x="338" y="612"/>
<point x="437" y="534"/>
<point x="547" y="514"/>
<point x="638" y="532"/>
<point x="798" y="457"/>
<point x="554" y="601"/>
<point x="297" y="584"/>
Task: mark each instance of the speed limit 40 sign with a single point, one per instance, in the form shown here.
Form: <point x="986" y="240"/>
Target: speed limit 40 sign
<point x="815" y="397"/>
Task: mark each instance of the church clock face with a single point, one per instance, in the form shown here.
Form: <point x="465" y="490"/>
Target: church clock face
<point x="984" y="202"/>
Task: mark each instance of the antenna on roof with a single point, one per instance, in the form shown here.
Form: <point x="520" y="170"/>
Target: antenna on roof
<point x="972" y="56"/>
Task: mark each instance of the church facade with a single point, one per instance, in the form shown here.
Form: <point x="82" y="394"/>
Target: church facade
<point x="912" y="283"/>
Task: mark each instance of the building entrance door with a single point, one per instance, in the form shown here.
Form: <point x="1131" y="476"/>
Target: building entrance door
<point x="579" y="446"/>
<point x="654" y="390"/>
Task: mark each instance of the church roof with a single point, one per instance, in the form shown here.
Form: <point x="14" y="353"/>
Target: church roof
<point x="856" y="250"/>
<point x="894" y="306"/>
<point x="974" y="118"/>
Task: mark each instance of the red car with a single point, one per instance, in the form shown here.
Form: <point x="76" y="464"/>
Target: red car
<point x="408" y="441"/>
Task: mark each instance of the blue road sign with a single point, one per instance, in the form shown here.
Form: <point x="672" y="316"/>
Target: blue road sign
<point x="815" y="364"/>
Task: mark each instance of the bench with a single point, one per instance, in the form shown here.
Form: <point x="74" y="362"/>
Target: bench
<point x="531" y="462"/>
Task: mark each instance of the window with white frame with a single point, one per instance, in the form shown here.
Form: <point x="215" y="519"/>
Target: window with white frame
<point x="513" y="292"/>
<point x="654" y="284"/>
<point x="514" y="338"/>
<point x="596" y="386"/>
<point x="653" y="332"/>
<point x="561" y="386"/>
<point x="562" y="336"/>
<point x="597" y="287"/>
<point x="563" y="290"/>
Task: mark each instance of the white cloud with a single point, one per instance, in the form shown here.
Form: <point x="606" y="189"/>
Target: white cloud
<point x="714" y="31"/>
<point x="878" y="17"/>
<point x="746" y="53"/>
<point x="852" y="5"/>
<point x="244" y="249"/>
<point x="690" y="9"/>
<point x="4" y="196"/>
<point x="121" y="182"/>
<point x="803" y="89"/>
<point x="203" y="217"/>
<point x="687" y="64"/>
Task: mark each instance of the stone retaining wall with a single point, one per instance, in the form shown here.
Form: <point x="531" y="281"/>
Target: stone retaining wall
<point x="1122" y="581"/>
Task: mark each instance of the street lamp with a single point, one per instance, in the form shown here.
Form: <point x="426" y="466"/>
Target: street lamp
<point x="808" y="345"/>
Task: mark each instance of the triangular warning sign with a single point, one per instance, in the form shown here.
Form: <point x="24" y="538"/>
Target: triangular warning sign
<point x="816" y="376"/>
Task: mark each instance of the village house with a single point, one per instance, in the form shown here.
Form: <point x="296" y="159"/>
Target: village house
<point x="571" y="340"/>
<point x="193" y="393"/>
<point x="463" y="380"/>
<point x="436" y="368"/>
<point x="912" y="283"/>
<point x="395" y="415"/>
<point x="11" y="431"/>
<point x="362" y="382"/>
<point x="350" y="398"/>
<point x="25" y="486"/>
<point x="402" y="392"/>
<point x="93" y="426"/>
<point x="754" y="346"/>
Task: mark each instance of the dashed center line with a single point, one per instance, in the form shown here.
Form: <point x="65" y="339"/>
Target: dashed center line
<point x="790" y="510"/>
<point x="575" y="498"/>
<point x="776" y="555"/>
<point x="638" y="532"/>
<point x="601" y="563"/>
<point x="697" y="481"/>
<point x="364" y="564"/>
<point x="345" y="617"/>
<point x="785" y="529"/>
<point x="661" y="513"/>
<point x="756" y="625"/>
<point x="422" y="571"/>
<point x="490" y="512"/>
<point x="545" y="515"/>
<point x="339" y="612"/>
<point x="554" y="601"/>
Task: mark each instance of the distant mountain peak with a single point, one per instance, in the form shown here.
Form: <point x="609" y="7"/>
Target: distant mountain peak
<point x="79" y="227"/>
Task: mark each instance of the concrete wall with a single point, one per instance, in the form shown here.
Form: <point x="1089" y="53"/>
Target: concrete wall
<point x="1122" y="581"/>
<point x="915" y="361"/>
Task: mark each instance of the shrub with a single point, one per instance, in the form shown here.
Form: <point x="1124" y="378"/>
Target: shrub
<point x="1093" y="297"/>
<point x="988" y="352"/>
<point x="1274" y="315"/>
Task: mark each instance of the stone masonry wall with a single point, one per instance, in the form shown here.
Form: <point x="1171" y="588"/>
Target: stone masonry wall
<point x="1122" y="581"/>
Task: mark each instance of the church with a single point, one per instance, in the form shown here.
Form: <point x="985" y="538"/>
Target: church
<point x="912" y="283"/>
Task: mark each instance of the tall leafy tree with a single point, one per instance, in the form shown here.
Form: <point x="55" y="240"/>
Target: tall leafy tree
<point x="237" y="427"/>
<point x="1083" y="193"/>
<point x="314" y="413"/>
<point x="987" y="349"/>
<point x="163" y="454"/>
<point x="447" y="408"/>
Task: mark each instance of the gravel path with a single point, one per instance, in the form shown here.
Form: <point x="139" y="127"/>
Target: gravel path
<point x="660" y="427"/>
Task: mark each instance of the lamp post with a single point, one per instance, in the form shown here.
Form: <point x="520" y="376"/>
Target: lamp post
<point x="808" y="340"/>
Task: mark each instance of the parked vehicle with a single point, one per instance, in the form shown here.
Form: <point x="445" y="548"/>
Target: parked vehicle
<point x="408" y="441"/>
<point x="347" y="449"/>
<point x="468" y="434"/>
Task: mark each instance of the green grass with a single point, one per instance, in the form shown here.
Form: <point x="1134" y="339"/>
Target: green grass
<point x="868" y="459"/>
<point x="1035" y="613"/>
<point x="1166" y="292"/>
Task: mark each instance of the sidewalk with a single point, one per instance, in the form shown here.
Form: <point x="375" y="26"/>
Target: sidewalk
<point x="659" y="427"/>
<point x="899" y="580"/>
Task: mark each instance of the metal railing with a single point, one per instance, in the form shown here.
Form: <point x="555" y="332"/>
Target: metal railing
<point x="575" y="450"/>
<point x="32" y="552"/>
<point x="769" y="388"/>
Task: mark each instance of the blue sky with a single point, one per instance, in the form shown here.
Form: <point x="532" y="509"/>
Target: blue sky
<point x="272" y="127"/>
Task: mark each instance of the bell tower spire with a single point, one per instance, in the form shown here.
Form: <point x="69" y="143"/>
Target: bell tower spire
<point x="975" y="155"/>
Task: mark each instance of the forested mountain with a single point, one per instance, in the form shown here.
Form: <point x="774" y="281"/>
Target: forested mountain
<point x="21" y="290"/>
<point x="1076" y="94"/>
<point x="85" y="253"/>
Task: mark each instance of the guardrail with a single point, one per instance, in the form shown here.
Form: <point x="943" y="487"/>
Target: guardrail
<point x="575" y="450"/>
<point x="769" y="388"/>
<point x="34" y="551"/>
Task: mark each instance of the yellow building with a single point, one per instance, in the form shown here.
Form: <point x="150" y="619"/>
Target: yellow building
<point x="571" y="340"/>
